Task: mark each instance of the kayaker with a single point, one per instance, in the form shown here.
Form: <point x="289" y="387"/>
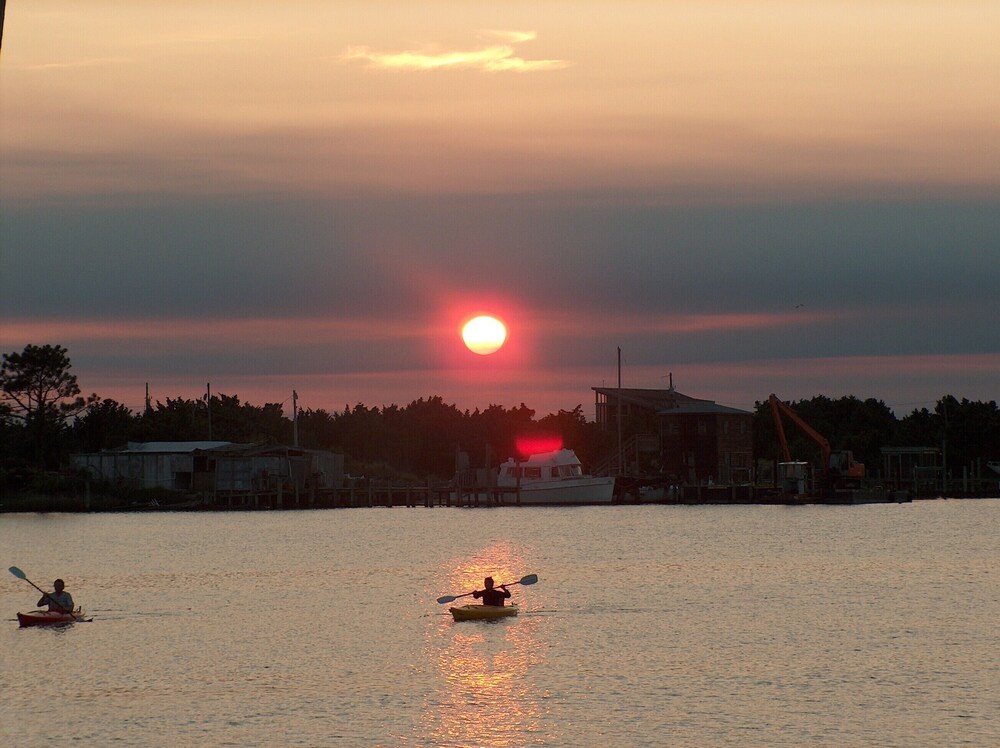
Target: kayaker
<point x="60" y="600"/>
<point x="490" y="595"/>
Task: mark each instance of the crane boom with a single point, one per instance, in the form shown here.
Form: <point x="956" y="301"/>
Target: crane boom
<point x="777" y="409"/>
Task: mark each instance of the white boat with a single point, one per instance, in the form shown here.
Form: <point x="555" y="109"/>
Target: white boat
<point x="554" y="478"/>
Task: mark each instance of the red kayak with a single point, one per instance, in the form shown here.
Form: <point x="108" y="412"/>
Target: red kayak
<point x="49" y="618"/>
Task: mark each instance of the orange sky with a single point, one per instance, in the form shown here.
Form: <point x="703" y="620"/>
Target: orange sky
<point x="439" y="97"/>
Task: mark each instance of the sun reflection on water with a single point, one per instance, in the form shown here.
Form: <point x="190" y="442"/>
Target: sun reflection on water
<point x="485" y="694"/>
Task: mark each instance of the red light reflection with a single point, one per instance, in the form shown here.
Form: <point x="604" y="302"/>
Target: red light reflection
<point x="537" y="444"/>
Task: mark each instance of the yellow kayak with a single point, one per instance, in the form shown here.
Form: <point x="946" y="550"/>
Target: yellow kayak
<point x="483" y="612"/>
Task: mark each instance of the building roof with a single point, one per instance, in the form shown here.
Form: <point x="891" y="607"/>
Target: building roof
<point x="217" y="448"/>
<point x="666" y="402"/>
<point x="706" y="407"/>
<point x="650" y="399"/>
<point x="173" y="447"/>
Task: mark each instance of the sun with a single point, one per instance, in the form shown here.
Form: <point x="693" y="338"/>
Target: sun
<point x="484" y="334"/>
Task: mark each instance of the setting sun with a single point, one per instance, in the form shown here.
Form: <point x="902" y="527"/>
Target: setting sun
<point x="484" y="335"/>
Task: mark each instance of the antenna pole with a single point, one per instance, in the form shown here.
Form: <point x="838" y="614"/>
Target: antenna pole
<point x="621" y="464"/>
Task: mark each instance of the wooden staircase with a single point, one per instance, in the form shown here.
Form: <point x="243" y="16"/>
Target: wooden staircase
<point x="634" y="449"/>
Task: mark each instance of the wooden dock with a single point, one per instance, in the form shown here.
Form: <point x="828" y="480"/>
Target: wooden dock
<point x="372" y="493"/>
<point x="461" y="493"/>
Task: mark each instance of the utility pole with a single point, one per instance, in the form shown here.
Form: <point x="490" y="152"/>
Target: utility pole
<point x="944" y="447"/>
<point x="621" y="465"/>
<point x="295" y="418"/>
<point x="208" y="401"/>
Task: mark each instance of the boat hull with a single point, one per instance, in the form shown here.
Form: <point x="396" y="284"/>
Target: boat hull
<point x="553" y="478"/>
<point x="596" y="490"/>
<point x="483" y="612"/>
<point x="49" y="618"/>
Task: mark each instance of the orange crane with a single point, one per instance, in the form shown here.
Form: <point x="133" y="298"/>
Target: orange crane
<point x="834" y="464"/>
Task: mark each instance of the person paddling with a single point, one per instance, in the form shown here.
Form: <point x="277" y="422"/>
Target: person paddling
<point x="60" y="600"/>
<point x="492" y="596"/>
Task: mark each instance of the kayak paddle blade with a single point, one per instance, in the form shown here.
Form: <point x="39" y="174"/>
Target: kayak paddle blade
<point x="17" y="572"/>
<point x="529" y="579"/>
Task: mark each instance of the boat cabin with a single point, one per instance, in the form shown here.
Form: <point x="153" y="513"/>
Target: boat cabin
<point x="557" y="465"/>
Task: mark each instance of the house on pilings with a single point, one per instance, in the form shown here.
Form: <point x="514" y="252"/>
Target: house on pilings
<point x="667" y="435"/>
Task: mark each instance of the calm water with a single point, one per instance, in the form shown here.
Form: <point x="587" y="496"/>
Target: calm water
<point x="652" y="625"/>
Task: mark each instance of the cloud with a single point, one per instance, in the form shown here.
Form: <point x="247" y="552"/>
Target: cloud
<point x="74" y="64"/>
<point x="493" y="58"/>
<point x="510" y="37"/>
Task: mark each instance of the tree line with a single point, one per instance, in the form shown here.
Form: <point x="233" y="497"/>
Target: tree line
<point x="44" y="418"/>
<point x="966" y="432"/>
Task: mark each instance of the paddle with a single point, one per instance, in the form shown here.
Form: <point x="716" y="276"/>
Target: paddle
<point x="21" y="575"/>
<point x="529" y="579"/>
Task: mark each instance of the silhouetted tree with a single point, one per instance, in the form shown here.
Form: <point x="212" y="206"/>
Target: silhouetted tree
<point x="105" y="424"/>
<point x="363" y="434"/>
<point x="577" y="433"/>
<point x="244" y="423"/>
<point x="500" y="428"/>
<point x="921" y="428"/>
<point x="231" y="420"/>
<point x="971" y="433"/>
<point x="41" y="395"/>
<point x="175" y="420"/>
<point x="428" y="432"/>
<point x="318" y="430"/>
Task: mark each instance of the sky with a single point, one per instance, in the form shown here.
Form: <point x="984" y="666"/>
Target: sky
<point x="743" y="197"/>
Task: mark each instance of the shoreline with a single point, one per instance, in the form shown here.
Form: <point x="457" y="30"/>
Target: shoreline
<point x="399" y="498"/>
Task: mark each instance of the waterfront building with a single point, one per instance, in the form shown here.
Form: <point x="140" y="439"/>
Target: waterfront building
<point x="670" y="434"/>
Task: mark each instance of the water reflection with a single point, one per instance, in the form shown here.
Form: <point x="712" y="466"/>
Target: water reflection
<point x="485" y="693"/>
